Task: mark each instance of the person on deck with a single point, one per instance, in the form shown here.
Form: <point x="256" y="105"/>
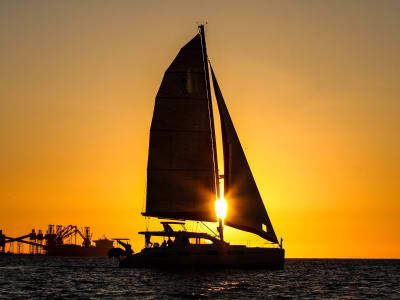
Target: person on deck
<point x="170" y="243"/>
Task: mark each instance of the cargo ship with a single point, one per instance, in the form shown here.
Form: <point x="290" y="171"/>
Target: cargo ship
<point x="101" y="248"/>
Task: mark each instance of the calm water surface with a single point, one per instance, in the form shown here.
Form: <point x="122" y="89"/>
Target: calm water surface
<point x="63" y="278"/>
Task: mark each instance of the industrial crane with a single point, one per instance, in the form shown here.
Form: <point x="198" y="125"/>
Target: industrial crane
<point x="55" y="236"/>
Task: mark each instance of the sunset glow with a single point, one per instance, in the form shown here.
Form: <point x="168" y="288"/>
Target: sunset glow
<point x="312" y="89"/>
<point x="221" y="208"/>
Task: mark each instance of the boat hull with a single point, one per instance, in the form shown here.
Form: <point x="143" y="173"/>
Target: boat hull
<point x="232" y="257"/>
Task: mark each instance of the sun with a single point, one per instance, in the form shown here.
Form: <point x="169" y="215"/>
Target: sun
<point x="221" y="208"/>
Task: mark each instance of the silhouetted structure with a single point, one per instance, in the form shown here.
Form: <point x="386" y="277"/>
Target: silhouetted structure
<point x="55" y="242"/>
<point x="183" y="179"/>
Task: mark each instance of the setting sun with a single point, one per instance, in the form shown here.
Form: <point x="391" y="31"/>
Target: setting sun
<point x="123" y="125"/>
<point x="221" y="207"/>
<point x="315" y="108"/>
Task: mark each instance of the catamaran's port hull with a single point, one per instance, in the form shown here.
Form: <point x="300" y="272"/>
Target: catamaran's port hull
<point x="254" y="258"/>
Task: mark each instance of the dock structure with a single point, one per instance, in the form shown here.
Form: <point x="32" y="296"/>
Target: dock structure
<point x="58" y="240"/>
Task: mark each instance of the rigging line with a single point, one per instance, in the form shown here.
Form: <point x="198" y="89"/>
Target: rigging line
<point x="202" y="223"/>
<point x="213" y="142"/>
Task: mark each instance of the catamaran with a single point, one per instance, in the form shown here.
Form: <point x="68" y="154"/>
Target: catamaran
<point x="183" y="183"/>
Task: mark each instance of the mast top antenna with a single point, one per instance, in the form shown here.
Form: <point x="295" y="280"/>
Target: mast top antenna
<point x="201" y="25"/>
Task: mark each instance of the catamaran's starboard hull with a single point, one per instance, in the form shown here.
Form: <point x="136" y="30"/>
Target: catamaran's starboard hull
<point x="246" y="258"/>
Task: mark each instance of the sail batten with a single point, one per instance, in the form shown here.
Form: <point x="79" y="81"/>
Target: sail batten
<point x="180" y="169"/>
<point x="246" y="208"/>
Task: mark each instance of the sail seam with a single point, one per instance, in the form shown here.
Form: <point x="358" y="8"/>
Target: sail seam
<point x="178" y="130"/>
<point x="183" y="72"/>
<point x="181" y="98"/>
<point x="191" y="170"/>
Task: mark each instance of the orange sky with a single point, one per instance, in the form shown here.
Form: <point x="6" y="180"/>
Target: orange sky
<point x="312" y="87"/>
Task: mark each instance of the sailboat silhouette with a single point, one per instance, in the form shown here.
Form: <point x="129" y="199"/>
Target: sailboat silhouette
<point x="183" y="178"/>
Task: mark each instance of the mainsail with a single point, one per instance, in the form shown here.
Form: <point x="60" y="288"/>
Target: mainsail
<point x="246" y="210"/>
<point x="181" y="176"/>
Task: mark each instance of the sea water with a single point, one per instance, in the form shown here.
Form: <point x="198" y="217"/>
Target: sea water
<point x="92" y="278"/>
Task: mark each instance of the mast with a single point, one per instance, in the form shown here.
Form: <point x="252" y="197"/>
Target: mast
<point x="214" y="146"/>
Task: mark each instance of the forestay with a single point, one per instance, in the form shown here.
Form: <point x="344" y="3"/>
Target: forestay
<point x="246" y="210"/>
